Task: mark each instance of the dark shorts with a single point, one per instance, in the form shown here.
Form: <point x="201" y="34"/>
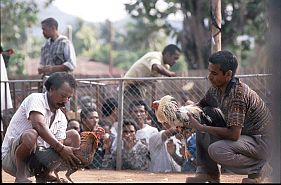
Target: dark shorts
<point x="43" y="159"/>
<point x="39" y="161"/>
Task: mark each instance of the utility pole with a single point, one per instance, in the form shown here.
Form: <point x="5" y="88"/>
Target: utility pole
<point x="216" y="25"/>
<point x="110" y="46"/>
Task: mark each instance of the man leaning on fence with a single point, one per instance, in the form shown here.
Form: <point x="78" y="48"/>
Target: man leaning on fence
<point x="242" y="143"/>
<point x="152" y="64"/>
<point x="36" y="139"/>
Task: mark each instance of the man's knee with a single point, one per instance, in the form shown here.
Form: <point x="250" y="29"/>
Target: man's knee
<point x="219" y="151"/>
<point x="29" y="137"/>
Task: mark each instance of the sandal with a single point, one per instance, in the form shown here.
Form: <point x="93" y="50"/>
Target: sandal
<point x="23" y="181"/>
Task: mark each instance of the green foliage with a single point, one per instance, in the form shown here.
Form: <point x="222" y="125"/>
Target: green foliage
<point x="16" y="17"/>
<point x="36" y="44"/>
<point x="125" y="59"/>
<point x="84" y="38"/>
<point x="16" y="64"/>
<point x="239" y="17"/>
<point x="148" y="30"/>
<point x="180" y="66"/>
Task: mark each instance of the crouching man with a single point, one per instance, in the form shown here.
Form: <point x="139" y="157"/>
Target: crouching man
<point x="241" y="146"/>
<point x="36" y="140"/>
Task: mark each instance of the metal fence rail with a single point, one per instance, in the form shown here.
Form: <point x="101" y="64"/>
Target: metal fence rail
<point x="94" y="92"/>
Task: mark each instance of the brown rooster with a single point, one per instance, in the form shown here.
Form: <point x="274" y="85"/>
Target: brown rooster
<point x="88" y="147"/>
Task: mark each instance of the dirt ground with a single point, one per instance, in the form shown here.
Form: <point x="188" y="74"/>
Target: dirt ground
<point x="111" y="176"/>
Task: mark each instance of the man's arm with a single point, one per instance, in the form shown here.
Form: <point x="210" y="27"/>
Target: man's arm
<point x="168" y="133"/>
<point x="70" y="56"/>
<point x="68" y="65"/>
<point x="162" y="70"/>
<point x="37" y="121"/>
<point x="171" y="148"/>
<point x="231" y="133"/>
<point x="48" y="69"/>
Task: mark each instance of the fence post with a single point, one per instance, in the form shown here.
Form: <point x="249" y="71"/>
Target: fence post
<point x="120" y="122"/>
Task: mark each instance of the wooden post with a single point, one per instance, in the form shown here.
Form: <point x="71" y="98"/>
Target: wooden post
<point x="110" y="46"/>
<point x="216" y="25"/>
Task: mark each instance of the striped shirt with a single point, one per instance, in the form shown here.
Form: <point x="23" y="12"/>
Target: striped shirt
<point x="59" y="52"/>
<point x="20" y="121"/>
<point x="241" y="107"/>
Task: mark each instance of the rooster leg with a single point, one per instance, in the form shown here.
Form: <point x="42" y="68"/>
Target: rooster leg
<point x="56" y="172"/>
<point x="69" y="172"/>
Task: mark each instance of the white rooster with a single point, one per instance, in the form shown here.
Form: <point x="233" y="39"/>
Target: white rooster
<point x="167" y="111"/>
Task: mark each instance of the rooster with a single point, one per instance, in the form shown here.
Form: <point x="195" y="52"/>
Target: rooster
<point x="88" y="147"/>
<point x="168" y="111"/>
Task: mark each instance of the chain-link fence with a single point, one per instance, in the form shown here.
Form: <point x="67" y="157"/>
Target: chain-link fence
<point x="96" y="92"/>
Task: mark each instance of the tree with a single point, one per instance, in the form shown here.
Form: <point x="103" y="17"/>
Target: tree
<point x="239" y="17"/>
<point x="16" y="16"/>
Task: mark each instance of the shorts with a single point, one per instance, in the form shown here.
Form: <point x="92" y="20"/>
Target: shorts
<point x="39" y="160"/>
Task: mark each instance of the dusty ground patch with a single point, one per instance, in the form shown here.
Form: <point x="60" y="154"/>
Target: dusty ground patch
<point x="111" y="176"/>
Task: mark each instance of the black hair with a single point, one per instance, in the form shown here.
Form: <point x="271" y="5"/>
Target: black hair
<point x="127" y="122"/>
<point x="50" y="22"/>
<point x="73" y="119"/>
<point x="149" y="111"/>
<point x="138" y="102"/>
<point x="226" y="60"/>
<point x="171" y="49"/>
<point x="108" y="106"/>
<point x="86" y="110"/>
<point x="58" y="78"/>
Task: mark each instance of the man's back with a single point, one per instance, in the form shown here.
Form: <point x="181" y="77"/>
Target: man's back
<point x="143" y="66"/>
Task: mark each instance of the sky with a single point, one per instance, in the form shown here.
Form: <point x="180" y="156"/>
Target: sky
<point x="94" y="10"/>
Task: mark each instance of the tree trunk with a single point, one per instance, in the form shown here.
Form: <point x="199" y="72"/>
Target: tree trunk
<point x="216" y="25"/>
<point x="194" y="38"/>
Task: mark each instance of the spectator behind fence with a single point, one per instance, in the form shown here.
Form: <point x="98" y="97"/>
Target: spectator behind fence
<point x="89" y="118"/>
<point x="74" y="124"/>
<point x="243" y="144"/>
<point x="37" y="132"/>
<point x="110" y="116"/>
<point x="90" y="122"/>
<point x="152" y="64"/>
<point x="138" y="112"/>
<point x="135" y="155"/>
<point x="58" y="54"/>
<point x="187" y="157"/>
<point x="161" y="161"/>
